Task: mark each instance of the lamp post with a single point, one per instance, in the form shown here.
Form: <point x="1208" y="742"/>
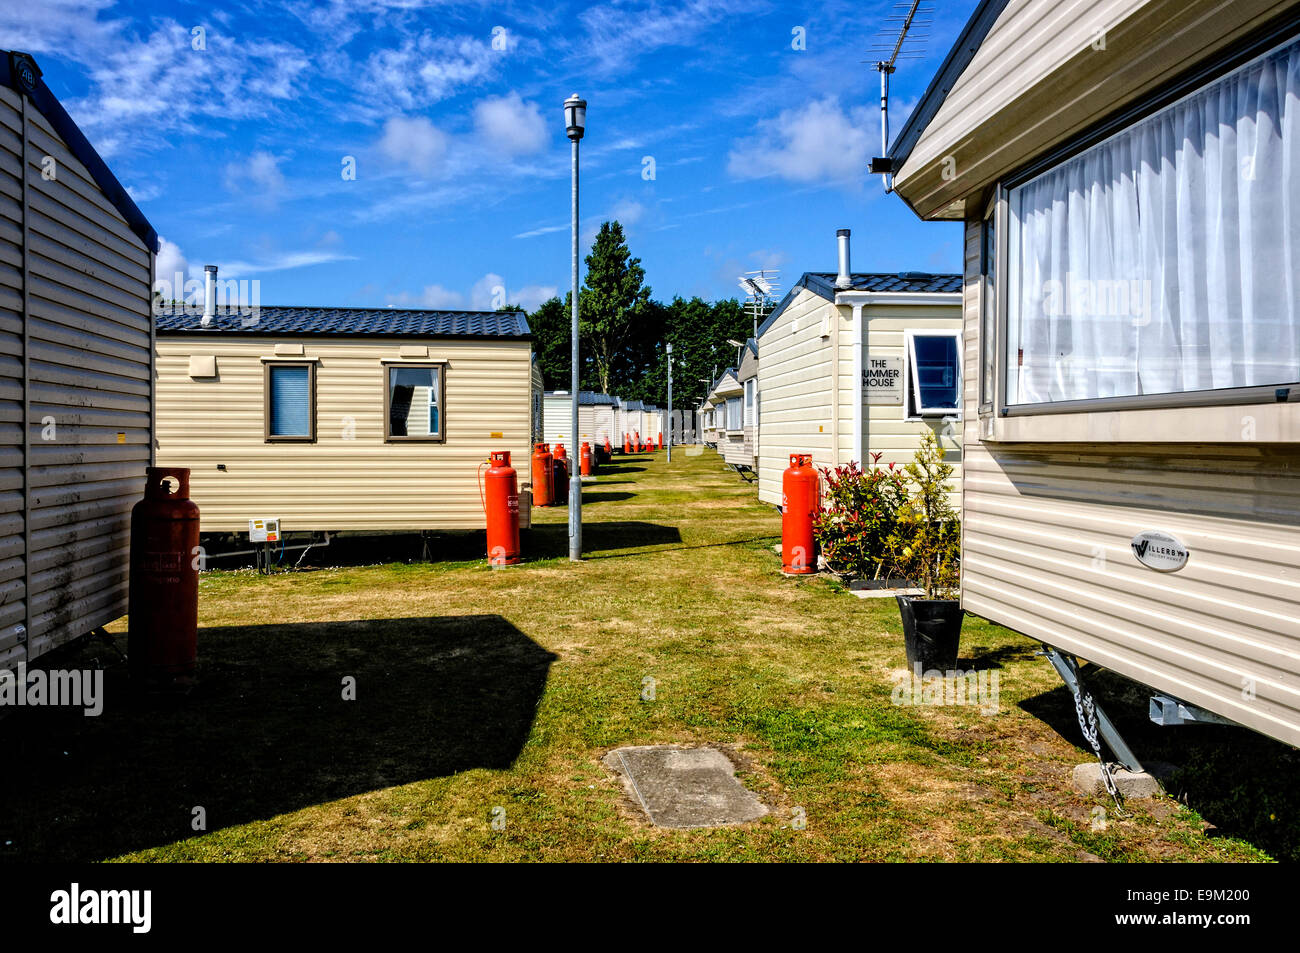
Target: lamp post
<point x="670" y="401"/>
<point x="575" y="123"/>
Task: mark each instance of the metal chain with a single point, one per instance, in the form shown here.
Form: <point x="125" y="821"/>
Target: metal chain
<point x="1086" y="710"/>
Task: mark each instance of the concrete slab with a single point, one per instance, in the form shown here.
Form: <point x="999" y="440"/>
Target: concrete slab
<point x="1133" y="785"/>
<point x="684" y="787"/>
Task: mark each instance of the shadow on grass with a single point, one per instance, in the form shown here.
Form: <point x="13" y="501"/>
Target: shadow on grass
<point x="598" y="497"/>
<point x="267" y="731"/>
<point x="1238" y="780"/>
<point x="551" y="540"/>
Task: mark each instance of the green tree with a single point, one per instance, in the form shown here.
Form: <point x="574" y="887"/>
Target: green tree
<point x="612" y="301"/>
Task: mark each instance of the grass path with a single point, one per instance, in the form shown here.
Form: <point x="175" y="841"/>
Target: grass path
<point x="491" y="695"/>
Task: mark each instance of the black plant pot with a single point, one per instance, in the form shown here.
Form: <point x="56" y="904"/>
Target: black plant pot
<point x="931" y="631"/>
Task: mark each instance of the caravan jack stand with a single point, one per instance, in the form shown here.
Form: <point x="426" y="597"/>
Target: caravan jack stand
<point x="1068" y="668"/>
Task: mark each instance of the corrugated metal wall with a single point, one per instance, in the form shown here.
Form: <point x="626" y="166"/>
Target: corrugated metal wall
<point x="88" y="369"/>
<point x="1046" y="551"/>
<point x="350" y="478"/>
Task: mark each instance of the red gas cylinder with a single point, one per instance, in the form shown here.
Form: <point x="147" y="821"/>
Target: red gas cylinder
<point x="501" y="500"/>
<point x="661" y="440"/>
<point x="609" y="449"/>
<point x="636" y="441"/>
<point x="543" y="464"/>
<point x="799" y="501"/>
<point x="584" y="458"/>
<point x="627" y="444"/>
<point x="560" y="477"/>
<point x="163" y="625"/>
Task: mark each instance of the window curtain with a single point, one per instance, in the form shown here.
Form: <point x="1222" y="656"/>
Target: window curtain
<point x="1166" y="258"/>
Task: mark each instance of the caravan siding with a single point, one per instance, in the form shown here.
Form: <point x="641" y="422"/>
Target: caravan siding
<point x="794" y="377"/>
<point x="350" y="478"/>
<point x="1039" y="78"/>
<point x="558" y="419"/>
<point x="1046" y="551"/>
<point x="806" y="394"/>
<point x="83" y="399"/>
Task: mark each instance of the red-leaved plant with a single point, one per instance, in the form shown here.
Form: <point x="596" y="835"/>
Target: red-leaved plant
<point x="859" y="514"/>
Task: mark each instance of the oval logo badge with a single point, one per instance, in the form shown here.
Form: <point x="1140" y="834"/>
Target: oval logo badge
<point x="1159" y="551"/>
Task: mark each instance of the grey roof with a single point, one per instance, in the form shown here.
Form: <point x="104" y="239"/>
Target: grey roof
<point x="15" y="69"/>
<point x="632" y="405"/>
<point x="954" y="64"/>
<point x="370" y="322"/>
<point x="591" y="398"/>
<point x="904" y="282"/>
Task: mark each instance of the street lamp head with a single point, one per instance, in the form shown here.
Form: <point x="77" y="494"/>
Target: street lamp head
<point x="575" y="117"/>
<point x="670" y="349"/>
<point x="735" y="343"/>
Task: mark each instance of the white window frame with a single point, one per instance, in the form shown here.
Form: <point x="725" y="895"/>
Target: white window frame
<point x="914" y="384"/>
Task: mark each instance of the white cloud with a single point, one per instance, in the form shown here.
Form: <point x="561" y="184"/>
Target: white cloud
<point x="544" y="230"/>
<point x="628" y="212"/>
<point x="510" y="125"/>
<point x="427" y="69"/>
<point x="258" y="175"/>
<point x="280" y="262"/>
<point x="486" y="295"/>
<point x="143" y="193"/>
<point x="491" y="290"/>
<point x="435" y="297"/>
<point x="618" y="33"/>
<point x="820" y="142"/>
<point x="170" y="262"/>
<point x="153" y="86"/>
<point x="415" y="143"/>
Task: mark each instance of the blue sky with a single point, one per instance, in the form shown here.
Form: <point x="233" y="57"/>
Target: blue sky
<point x="452" y="113"/>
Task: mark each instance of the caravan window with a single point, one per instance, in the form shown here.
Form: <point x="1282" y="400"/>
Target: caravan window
<point x="1160" y="262"/>
<point x="290" y="401"/>
<point x="413" y="402"/>
<point x="933" y="373"/>
<point x="751" y="386"/>
<point x="735" y="420"/>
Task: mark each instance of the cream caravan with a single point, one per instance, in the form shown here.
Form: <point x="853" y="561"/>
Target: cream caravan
<point x="1132" y="335"/>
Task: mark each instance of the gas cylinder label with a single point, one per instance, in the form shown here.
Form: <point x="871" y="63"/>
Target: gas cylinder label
<point x="161" y="562"/>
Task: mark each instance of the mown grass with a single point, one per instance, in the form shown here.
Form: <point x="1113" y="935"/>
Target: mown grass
<point x="486" y="694"/>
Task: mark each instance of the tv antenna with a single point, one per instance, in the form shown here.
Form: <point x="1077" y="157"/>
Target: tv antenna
<point x="901" y="38"/>
<point x="761" y="290"/>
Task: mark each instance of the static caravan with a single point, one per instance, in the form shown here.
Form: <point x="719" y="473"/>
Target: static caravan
<point x="748" y="376"/>
<point x="652" y="421"/>
<point x="634" y="419"/>
<point x="596" y="415"/>
<point x="705" y="417"/>
<point x="852" y="365"/>
<point x="344" y="419"/>
<point x="76" y="372"/>
<point x="729" y="398"/>
<point x="558" y="418"/>
<point x="1132" y="336"/>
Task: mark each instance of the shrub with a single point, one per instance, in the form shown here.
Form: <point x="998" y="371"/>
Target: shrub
<point x="925" y="543"/>
<point x="858" y="517"/>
